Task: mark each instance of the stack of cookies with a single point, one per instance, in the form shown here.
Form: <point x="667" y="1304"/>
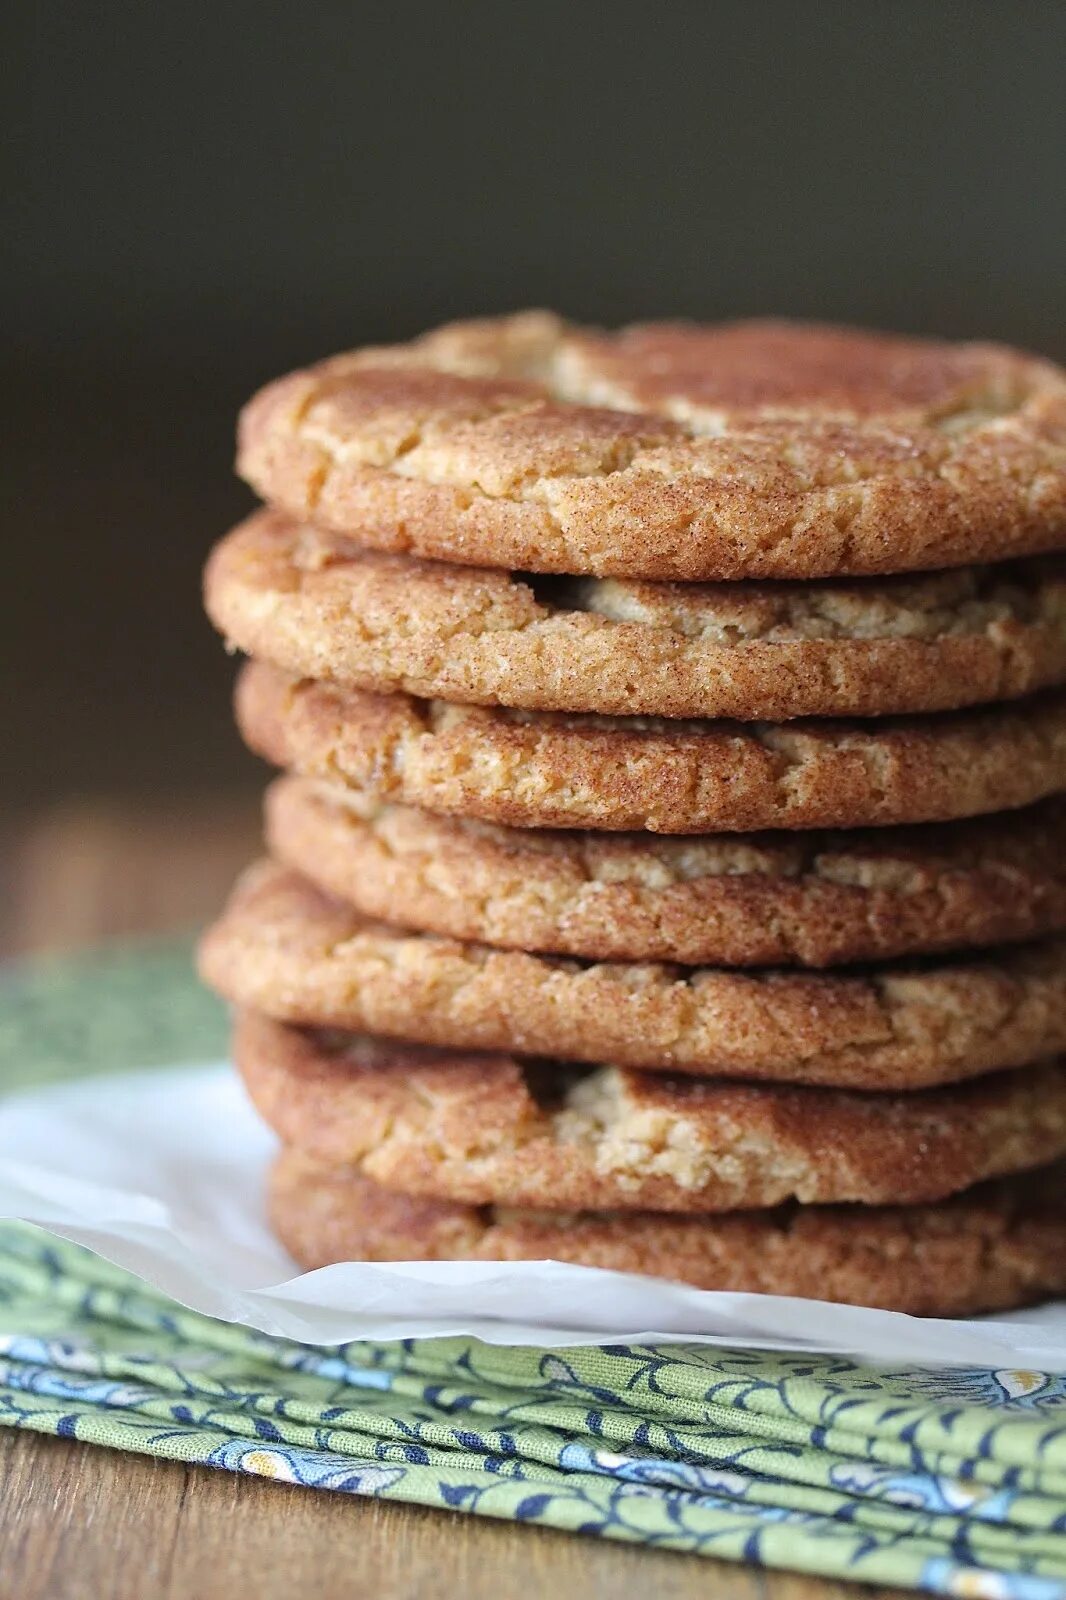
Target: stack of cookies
<point x="668" y="873"/>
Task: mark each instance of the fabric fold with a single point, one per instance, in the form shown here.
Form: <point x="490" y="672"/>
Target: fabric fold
<point x="951" y="1481"/>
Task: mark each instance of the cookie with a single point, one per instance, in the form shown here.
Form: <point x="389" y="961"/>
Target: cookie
<point x="672" y="451"/>
<point x="283" y="948"/>
<point x="996" y="1247"/>
<point x="549" y="770"/>
<point x="316" y="605"/>
<point x="487" y="1130"/>
<point x="732" y="899"/>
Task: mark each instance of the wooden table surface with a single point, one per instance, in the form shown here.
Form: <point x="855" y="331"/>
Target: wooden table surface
<point x="82" y="1523"/>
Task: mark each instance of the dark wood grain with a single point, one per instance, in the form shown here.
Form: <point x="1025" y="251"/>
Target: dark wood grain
<point x="82" y="1523"/>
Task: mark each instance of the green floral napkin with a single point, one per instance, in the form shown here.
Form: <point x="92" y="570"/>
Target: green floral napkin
<point x="949" y="1481"/>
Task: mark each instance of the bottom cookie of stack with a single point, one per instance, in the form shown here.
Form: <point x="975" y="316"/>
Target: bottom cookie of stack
<point x="940" y="1202"/>
<point x="995" y="1247"/>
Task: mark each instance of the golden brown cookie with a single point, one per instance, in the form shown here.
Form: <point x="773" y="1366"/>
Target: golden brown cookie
<point x="549" y="770"/>
<point x="316" y="605"/>
<point x="283" y="948"/>
<point x="487" y="1130"/>
<point x="995" y="1247"/>
<point x="677" y="451"/>
<point x="728" y="899"/>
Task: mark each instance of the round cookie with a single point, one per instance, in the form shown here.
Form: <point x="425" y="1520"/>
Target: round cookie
<point x="489" y="1131"/>
<point x="672" y="451"/>
<point x="996" y="1247"/>
<point x="283" y="948"/>
<point x="315" y="604"/>
<point x="549" y="770"/>
<point x="812" y="900"/>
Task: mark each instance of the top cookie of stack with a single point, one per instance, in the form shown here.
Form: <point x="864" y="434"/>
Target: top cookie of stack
<point x="749" y="450"/>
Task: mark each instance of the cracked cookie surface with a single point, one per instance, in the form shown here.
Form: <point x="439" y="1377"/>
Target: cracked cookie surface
<point x="283" y="948"/>
<point x="548" y="769"/>
<point x="807" y="899"/>
<point x="672" y="451"/>
<point x="490" y="1130"/>
<point x="316" y="605"/>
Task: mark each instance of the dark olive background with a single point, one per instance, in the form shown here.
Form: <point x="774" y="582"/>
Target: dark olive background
<point x="198" y="197"/>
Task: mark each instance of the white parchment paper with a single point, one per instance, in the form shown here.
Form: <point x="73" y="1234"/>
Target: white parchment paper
<point x="163" y="1172"/>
